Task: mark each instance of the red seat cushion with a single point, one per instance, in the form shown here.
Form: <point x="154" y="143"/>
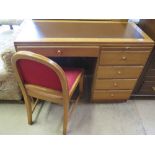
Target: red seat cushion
<point x="33" y="72"/>
<point x="71" y="74"/>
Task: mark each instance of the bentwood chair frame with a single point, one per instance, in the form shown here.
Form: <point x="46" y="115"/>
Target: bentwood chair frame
<point x="31" y="91"/>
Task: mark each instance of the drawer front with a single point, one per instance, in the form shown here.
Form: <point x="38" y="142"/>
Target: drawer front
<point x="115" y="84"/>
<point x="111" y="95"/>
<point x="62" y="51"/>
<point x="146" y="92"/>
<point x="148" y="87"/>
<point x="151" y="72"/>
<point x="149" y="78"/>
<point x="119" y="72"/>
<point x="123" y="58"/>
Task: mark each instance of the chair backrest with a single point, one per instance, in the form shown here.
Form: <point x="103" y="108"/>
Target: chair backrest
<point x="35" y="69"/>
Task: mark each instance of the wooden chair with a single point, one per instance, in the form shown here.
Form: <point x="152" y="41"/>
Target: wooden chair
<point x="42" y="78"/>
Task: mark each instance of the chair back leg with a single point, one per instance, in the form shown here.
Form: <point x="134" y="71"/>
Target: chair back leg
<point x="65" y="117"/>
<point x="28" y="105"/>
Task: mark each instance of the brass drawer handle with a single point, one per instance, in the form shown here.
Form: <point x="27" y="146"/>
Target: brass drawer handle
<point x="119" y="72"/>
<point x="111" y="95"/>
<point x="115" y="84"/>
<point x="153" y="88"/>
<point x="127" y="47"/>
<point x="59" y="52"/>
<point x="124" y="57"/>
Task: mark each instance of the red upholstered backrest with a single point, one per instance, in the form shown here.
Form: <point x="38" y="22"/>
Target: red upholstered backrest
<point x="33" y="72"/>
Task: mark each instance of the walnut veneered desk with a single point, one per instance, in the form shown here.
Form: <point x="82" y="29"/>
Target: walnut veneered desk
<point x="121" y="50"/>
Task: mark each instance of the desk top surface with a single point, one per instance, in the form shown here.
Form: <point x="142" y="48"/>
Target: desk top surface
<point x="77" y="31"/>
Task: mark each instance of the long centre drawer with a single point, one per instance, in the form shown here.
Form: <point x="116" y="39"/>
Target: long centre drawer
<point x="63" y="51"/>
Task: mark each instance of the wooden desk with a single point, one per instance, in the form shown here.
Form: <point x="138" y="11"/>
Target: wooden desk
<point x="121" y="50"/>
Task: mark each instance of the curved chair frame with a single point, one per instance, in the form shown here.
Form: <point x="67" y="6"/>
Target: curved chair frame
<point x="30" y="91"/>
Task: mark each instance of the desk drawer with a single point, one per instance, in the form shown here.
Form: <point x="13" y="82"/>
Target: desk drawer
<point x="151" y="72"/>
<point x="123" y="58"/>
<point x="63" y="51"/>
<point x="149" y="78"/>
<point x="119" y="72"/>
<point x="111" y="95"/>
<point x="148" y="87"/>
<point x="115" y="84"/>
